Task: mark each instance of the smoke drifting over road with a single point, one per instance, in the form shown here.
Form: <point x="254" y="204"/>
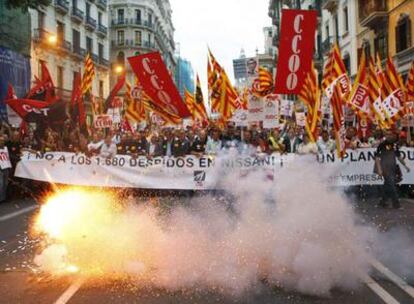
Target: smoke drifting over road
<point x="294" y="231"/>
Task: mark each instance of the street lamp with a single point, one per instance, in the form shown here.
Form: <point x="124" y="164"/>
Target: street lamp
<point x="119" y="69"/>
<point x="52" y="39"/>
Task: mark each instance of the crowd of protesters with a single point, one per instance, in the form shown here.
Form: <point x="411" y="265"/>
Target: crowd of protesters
<point x="178" y="142"/>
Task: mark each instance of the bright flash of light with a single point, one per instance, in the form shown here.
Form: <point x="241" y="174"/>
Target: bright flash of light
<point x="86" y="231"/>
<point x="52" y="39"/>
<point x="62" y="210"/>
<point x="119" y="69"/>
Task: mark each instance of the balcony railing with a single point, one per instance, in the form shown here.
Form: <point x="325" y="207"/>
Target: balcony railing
<point x="94" y="58"/>
<point x="90" y="23"/>
<point x="102" y="4"/>
<point x="62" y="6"/>
<point x="102" y="30"/>
<point x="149" y="24"/>
<point x="136" y="21"/>
<point x="64" y="45"/>
<point x="79" y="52"/>
<point x="121" y="22"/>
<point x="103" y="61"/>
<point x="326" y="45"/>
<point x="77" y="15"/>
<point x="372" y="12"/>
<point x="40" y="35"/>
<point x="150" y="45"/>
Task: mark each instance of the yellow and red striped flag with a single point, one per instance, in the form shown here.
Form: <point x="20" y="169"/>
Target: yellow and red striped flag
<point x="223" y="96"/>
<point x="189" y="102"/>
<point x="338" y="120"/>
<point x="310" y="96"/>
<point x="135" y="110"/>
<point x="409" y="86"/>
<point x="167" y="117"/>
<point x="375" y="96"/>
<point x="200" y="111"/>
<point x="359" y="97"/>
<point x="335" y="72"/>
<point x="394" y="93"/>
<point x="263" y="85"/>
<point x="88" y="75"/>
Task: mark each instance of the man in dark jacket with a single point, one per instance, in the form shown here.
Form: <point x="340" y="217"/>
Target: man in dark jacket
<point x="180" y="145"/>
<point x="386" y="166"/>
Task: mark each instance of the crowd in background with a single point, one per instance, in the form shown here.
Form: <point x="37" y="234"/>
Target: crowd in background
<point x="177" y="142"/>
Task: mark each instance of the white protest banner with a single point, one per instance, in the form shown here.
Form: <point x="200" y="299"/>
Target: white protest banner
<point x="271" y="111"/>
<point x="255" y="108"/>
<point x="286" y="107"/>
<point x="4" y="159"/>
<point x="300" y="119"/>
<point x="356" y="168"/>
<point x="102" y="121"/>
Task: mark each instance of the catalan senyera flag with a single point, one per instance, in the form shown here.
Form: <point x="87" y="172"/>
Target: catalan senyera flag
<point x="263" y="85"/>
<point x="335" y="72"/>
<point x="338" y="120"/>
<point x="223" y="95"/>
<point x="359" y="97"/>
<point x="310" y="96"/>
<point x="409" y="87"/>
<point x="394" y="93"/>
<point x="200" y="111"/>
<point x="135" y="110"/>
<point x="189" y="101"/>
<point x="375" y="96"/>
<point x="88" y="75"/>
<point x="168" y="118"/>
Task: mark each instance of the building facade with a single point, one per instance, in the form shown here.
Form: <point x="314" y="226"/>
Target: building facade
<point x="139" y="27"/>
<point x="62" y="34"/>
<point x="184" y="76"/>
<point x="339" y="26"/>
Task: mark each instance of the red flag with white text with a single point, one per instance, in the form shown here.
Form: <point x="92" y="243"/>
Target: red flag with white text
<point x="157" y="83"/>
<point x="297" y="42"/>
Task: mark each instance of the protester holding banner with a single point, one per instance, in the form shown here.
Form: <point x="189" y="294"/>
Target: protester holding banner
<point x="214" y="143"/>
<point x="108" y="148"/>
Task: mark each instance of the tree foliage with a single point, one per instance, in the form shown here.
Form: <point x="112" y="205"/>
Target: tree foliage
<point x="25" y="4"/>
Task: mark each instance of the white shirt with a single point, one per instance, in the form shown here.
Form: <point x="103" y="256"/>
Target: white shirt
<point x="95" y="146"/>
<point x="325" y="146"/>
<point x="108" y="151"/>
<point x="309" y="148"/>
<point x="213" y="146"/>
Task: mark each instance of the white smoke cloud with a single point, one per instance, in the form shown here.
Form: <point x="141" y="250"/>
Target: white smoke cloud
<point x="295" y="232"/>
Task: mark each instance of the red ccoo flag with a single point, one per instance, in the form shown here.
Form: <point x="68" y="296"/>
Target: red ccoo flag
<point x="297" y="42"/>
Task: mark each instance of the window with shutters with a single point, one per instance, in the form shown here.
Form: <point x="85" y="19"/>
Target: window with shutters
<point x="403" y="33"/>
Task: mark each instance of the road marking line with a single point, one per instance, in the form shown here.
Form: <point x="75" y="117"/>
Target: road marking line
<point x="378" y="290"/>
<point x="17" y="213"/>
<point x="70" y="292"/>
<point x="392" y="277"/>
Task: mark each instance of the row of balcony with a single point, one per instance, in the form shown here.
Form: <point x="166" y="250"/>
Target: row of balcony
<point x="130" y="42"/>
<point x="41" y="36"/>
<point x="62" y="6"/>
<point x="372" y="13"/>
<point x="132" y="22"/>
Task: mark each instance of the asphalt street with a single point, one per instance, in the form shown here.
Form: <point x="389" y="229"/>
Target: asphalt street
<point x="20" y="283"/>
